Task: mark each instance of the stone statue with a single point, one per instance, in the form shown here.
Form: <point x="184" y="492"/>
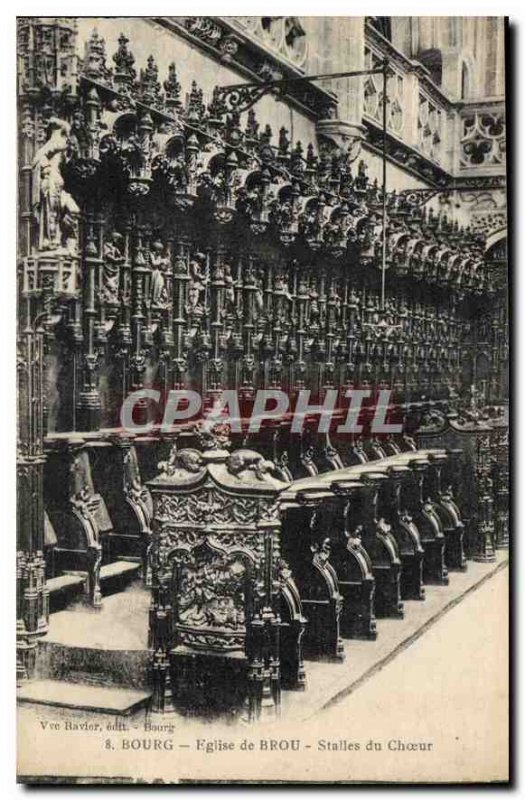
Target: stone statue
<point x="54" y="209"/>
<point x="314" y="312"/>
<point x="281" y="287"/>
<point x="198" y="283"/>
<point x="229" y="293"/>
<point x="242" y="460"/>
<point x="113" y="258"/>
<point x="259" y="294"/>
<point x="160" y="264"/>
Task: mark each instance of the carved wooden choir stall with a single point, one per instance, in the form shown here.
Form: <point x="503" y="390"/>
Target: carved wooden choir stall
<point x="176" y="243"/>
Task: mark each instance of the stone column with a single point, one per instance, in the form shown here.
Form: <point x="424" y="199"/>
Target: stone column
<point x="344" y="38"/>
<point x="44" y="270"/>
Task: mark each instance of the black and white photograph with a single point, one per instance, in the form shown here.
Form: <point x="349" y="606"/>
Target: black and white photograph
<point x="262" y="361"/>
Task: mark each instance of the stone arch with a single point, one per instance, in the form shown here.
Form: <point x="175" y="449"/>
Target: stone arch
<point x="495" y="241"/>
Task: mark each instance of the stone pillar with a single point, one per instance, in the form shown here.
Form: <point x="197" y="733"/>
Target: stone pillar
<point x="89" y="403"/>
<point x="411" y="109"/>
<point x="485" y="503"/>
<point x="46" y="267"/>
<point x="345" y="39"/>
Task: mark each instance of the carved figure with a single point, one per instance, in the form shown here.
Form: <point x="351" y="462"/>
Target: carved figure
<point x="281" y="287"/>
<point x="160" y="264"/>
<point x="198" y="283"/>
<point x="259" y="294"/>
<point x="54" y="209"/>
<point x="229" y="293"/>
<point x="211" y="594"/>
<point x="314" y="309"/>
<point x="188" y="460"/>
<point x="242" y="460"/>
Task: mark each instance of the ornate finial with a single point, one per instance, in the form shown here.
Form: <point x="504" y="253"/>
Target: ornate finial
<point x="124" y="60"/>
<point x="172" y="87"/>
<point x="297" y="160"/>
<point x="266" y="135"/>
<point x="233" y="128"/>
<point x="95" y="58"/>
<point x="284" y="142"/>
<point x="361" y="181"/>
<point x="195" y="108"/>
<point x="217" y="107"/>
<point x="311" y="158"/>
<point x="252" y="126"/>
<point x="149" y="84"/>
<point x="323" y="164"/>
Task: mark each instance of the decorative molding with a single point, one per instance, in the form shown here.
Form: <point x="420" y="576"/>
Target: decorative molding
<point x="253" y="58"/>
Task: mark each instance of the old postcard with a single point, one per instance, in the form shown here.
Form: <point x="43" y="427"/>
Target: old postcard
<point x="263" y="453"/>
